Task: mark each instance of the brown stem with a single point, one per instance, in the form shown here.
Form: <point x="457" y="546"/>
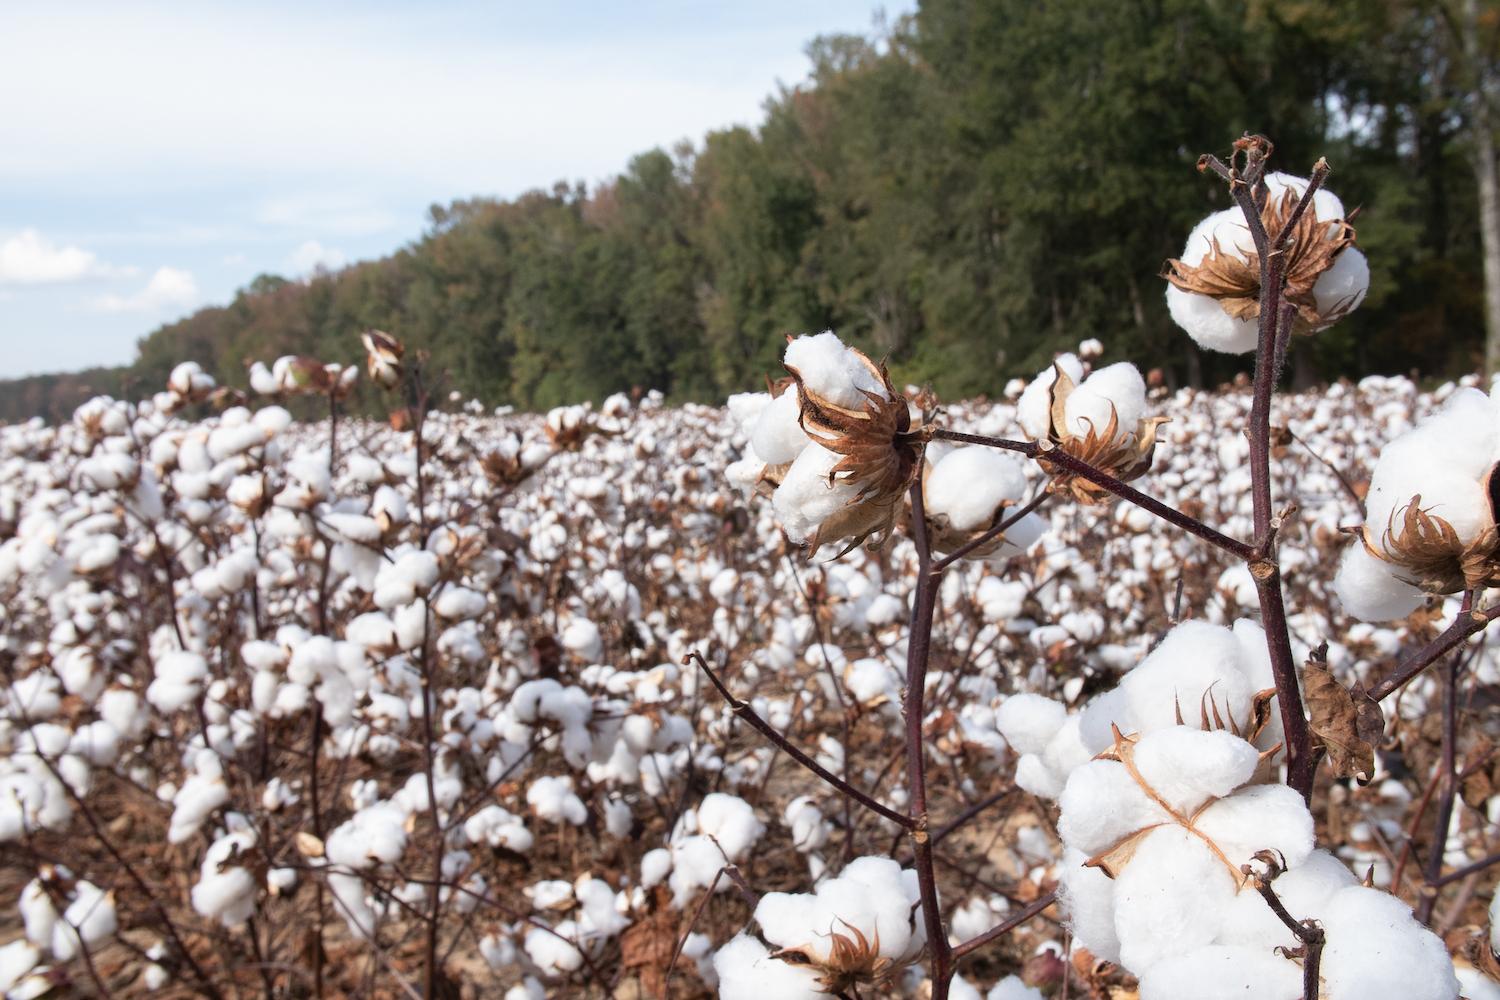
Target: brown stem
<point x="918" y="645"/>
<point x="1465" y="624"/>
<point x="1446" y="796"/>
<point x="990" y="535"/>
<point x="1306" y="931"/>
<point x="744" y="711"/>
<point x="1082" y="469"/>
<point x="1011" y="923"/>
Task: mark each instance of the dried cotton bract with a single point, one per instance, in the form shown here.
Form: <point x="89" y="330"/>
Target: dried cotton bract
<point x="1214" y="288"/>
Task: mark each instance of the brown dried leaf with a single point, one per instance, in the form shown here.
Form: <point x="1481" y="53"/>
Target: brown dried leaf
<point x="1347" y="722"/>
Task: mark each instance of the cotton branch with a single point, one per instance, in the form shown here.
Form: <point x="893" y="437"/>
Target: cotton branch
<point x="744" y="711"/>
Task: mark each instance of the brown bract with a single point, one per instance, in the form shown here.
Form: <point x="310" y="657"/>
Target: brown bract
<point x="1123" y="453"/>
<point x="880" y="451"/>
<point x="853" y="960"/>
<point x="1429" y="555"/>
<point x="382" y="357"/>
<point x="1313" y="247"/>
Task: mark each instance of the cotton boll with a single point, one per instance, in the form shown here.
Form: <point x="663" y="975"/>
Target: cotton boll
<point x="1303" y="889"/>
<point x="1369" y="589"/>
<point x="1101" y="804"/>
<point x="552" y="951"/>
<point x="1087" y="897"/>
<point x="92" y="913"/>
<point x="1209" y="325"/>
<point x="1029" y="721"/>
<point x="1117" y="389"/>
<point x="1376" y="950"/>
<point x="225" y="892"/>
<point x="1194" y="662"/>
<point x="747" y="971"/>
<point x="1034" y="408"/>
<point x="1187" y="766"/>
<point x="1219" y="972"/>
<point x="804" y="500"/>
<point x="778" y="437"/>
<point x="1170" y="898"/>
<point x="731" y="821"/>
<point x="968" y="485"/>
<point x="1261" y="817"/>
<point x="16" y="960"/>
<point x="830" y="369"/>
<point x="178" y="681"/>
<point x="1012" y="988"/>
<point x="1342" y="287"/>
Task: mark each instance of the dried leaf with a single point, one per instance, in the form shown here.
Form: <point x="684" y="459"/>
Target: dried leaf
<point x="308" y="845"/>
<point x="1347" y="722"/>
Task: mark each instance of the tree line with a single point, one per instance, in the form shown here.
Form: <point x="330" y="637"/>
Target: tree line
<point x="962" y="192"/>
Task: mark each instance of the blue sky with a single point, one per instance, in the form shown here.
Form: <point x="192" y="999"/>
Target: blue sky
<point x="153" y="160"/>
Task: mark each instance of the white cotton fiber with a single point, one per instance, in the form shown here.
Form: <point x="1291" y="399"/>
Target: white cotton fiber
<point x="832" y="370"/>
<point x="968" y="485"/>
<point x="1118" y="388"/>
<point x="1220" y="972"/>
<point x="1101" y="804"/>
<point x="1257" y="818"/>
<point x="1087" y="897"/>
<point x="1012" y="988"/>
<point x="1194" y="662"/>
<point x="778" y="437"/>
<point x="1303" y="889"/>
<point x="1376" y="950"/>
<point x="1034" y="408"/>
<point x="748" y="972"/>
<point x="1343" y="286"/>
<point x="804" y="500"/>
<point x="1028" y="721"/>
<point x="1368" y="588"/>
<point x="1170" y="898"/>
<point x="1188" y="766"/>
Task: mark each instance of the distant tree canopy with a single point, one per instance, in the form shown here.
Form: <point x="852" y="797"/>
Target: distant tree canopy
<point x="979" y="186"/>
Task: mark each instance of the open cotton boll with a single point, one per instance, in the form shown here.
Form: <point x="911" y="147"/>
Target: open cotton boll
<point x="1303" y="889"/>
<point x="1343" y="286"/>
<point x="830" y="369"/>
<point x="731" y="821"/>
<point x="1029" y="721"/>
<point x="92" y="913"/>
<point x="1368" y="588"/>
<point x="1195" y="661"/>
<point x="225" y="892"/>
<point x="1118" y="388"/>
<point x="178" y="680"/>
<point x="1187" y="766"/>
<point x="551" y="798"/>
<point x="1376" y="950"/>
<point x="778" y="437"/>
<point x="1034" y="408"/>
<point x="16" y="959"/>
<point x="747" y="971"/>
<point x="1170" y="898"/>
<point x="804" y="500"/>
<point x="1101" y="804"/>
<point x="1201" y="315"/>
<point x="1012" y="988"/>
<point x="1220" y="972"/>
<point x="1257" y="818"/>
<point x="968" y="485"/>
<point x="552" y="951"/>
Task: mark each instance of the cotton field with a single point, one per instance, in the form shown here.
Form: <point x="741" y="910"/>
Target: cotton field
<point x="839" y="690"/>
<point x="284" y="713"/>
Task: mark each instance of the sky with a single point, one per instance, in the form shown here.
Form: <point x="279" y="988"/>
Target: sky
<point x="154" y="160"/>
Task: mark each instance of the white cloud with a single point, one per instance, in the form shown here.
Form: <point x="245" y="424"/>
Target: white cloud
<point x="29" y="258"/>
<point x="169" y="288"/>
<point x="312" y="255"/>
